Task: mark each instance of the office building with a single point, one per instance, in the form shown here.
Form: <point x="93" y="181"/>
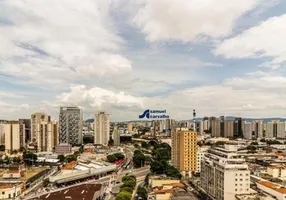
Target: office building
<point x="14" y="136"/>
<point x="224" y="173"/>
<point x="101" y="128"/>
<point x="206" y="124"/>
<point x="237" y="132"/>
<point x="70" y="123"/>
<point x="184" y="151"/>
<point x="116" y="136"/>
<point x="36" y="119"/>
<point x="47" y="136"/>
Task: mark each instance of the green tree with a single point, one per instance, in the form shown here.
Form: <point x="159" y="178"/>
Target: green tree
<point x="136" y="136"/>
<point x="88" y="140"/>
<point x="70" y="158"/>
<point x="128" y="178"/>
<point x="119" y="156"/>
<point x="142" y="192"/>
<point x="61" y="158"/>
<point x="162" y="154"/>
<point x="129" y="183"/>
<point x="111" y="142"/>
<point x="251" y="148"/>
<point x="145" y="145"/>
<point x="173" y="172"/>
<point x="138" y="159"/>
<point x="111" y="158"/>
<point x="126" y="189"/>
<point x="2" y="147"/>
<point x="29" y="158"/>
<point x="254" y="143"/>
<point x="123" y="196"/>
<point x="46" y="182"/>
<point x="159" y="167"/>
<point x="16" y="160"/>
<point x="219" y="143"/>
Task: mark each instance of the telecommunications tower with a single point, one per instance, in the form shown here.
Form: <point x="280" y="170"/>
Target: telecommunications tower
<point x="194" y="119"/>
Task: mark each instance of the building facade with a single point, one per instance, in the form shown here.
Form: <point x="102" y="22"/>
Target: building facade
<point x="70" y="123"/>
<point x="116" y="136"/>
<point x="101" y="128"/>
<point x="47" y="136"/>
<point x="224" y="173"/>
<point x="184" y="151"/>
<point x="14" y="136"/>
<point x="36" y="119"/>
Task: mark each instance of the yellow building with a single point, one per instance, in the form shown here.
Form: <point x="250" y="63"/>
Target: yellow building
<point x="184" y="151"/>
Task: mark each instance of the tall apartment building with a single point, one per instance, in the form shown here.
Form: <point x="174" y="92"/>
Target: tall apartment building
<point x="2" y="133"/>
<point x="36" y="119"/>
<point x="216" y="127"/>
<point x="116" y="136"/>
<point x="14" y="136"/>
<point x="101" y="128"/>
<point x="27" y="123"/>
<point x="184" y="151"/>
<point x="47" y="136"/>
<point x="275" y="129"/>
<point x="248" y="132"/>
<point x="224" y="173"/>
<point x="257" y="129"/>
<point x="129" y="127"/>
<point x="70" y="123"/>
<point x="228" y="131"/>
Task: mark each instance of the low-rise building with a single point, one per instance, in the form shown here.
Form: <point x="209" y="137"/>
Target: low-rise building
<point x="63" y="148"/>
<point x="10" y="191"/>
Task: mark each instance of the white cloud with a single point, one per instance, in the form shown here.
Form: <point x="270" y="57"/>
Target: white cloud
<point x="56" y="42"/>
<point x="264" y="40"/>
<point x="96" y="97"/>
<point x="10" y="95"/>
<point x="186" y="20"/>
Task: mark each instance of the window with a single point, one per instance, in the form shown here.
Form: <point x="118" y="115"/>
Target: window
<point x="3" y="193"/>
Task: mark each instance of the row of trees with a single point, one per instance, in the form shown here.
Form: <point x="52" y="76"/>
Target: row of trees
<point x="115" y="157"/>
<point x="129" y="184"/>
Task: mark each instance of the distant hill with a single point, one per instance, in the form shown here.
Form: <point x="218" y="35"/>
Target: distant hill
<point x="189" y="120"/>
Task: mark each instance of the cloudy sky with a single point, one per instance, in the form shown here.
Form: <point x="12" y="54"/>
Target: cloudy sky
<point x="221" y="57"/>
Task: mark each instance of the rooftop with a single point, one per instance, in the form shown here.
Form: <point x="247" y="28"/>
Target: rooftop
<point x="273" y="186"/>
<point x="78" y="192"/>
<point x="70" y="165"/>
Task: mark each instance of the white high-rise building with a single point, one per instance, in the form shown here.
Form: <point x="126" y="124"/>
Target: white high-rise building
<point x="101" y="128"/>
<point x="71" y="123"/>
<point x="224" y="173"/>
<point x="200" y="154"/>
<point x="2" y="134"/>
<point x="14" y="136"/>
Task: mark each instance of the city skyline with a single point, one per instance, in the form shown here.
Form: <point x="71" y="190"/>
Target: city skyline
<point x="124" y="56"/>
